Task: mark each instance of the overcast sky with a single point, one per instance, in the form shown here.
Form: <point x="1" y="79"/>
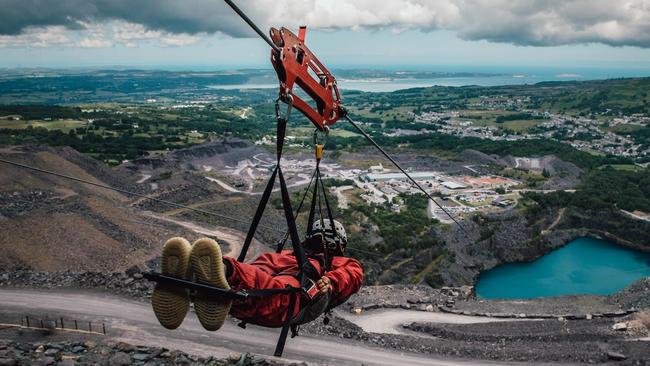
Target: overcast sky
<point x="561" y="33"/>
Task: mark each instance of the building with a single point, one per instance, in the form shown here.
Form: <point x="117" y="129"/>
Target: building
<point x="383" y="177"/>
<point x="377" y="168"/>
<point x="452" y="185"/>
<point x="503" y="203"/>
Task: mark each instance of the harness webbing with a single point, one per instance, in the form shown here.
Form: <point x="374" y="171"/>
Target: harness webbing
<point x="279" y="348"/>
<point x="314" y="198"/>
<point x="306" y="269"/>
<point x="258" y="216"/>
<point x="284" y="239"/>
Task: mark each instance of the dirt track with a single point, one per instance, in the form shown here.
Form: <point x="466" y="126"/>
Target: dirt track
<point x="390" y="321"/>
<point x="233" y="238"/>
<point x="135" y="323"/>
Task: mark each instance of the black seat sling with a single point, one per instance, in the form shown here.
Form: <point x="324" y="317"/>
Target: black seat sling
<point x="306" y="270"/>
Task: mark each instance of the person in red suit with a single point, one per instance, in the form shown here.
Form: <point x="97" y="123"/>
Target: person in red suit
<point x="204" y="262"/>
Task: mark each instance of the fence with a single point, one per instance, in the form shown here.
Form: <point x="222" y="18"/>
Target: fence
<point x="62" y="324"/>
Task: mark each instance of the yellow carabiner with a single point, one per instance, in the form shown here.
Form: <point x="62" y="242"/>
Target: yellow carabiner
<point x="319" y="151"/>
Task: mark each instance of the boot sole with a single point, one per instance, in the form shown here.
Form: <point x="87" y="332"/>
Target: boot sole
<point x="207" y="264"/>
<point x="171" y="303"/>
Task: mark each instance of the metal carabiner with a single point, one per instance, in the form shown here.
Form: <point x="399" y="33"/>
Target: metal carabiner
<point x="320" y="146"/>
<point x="325" y="133"/>
<point x="289" y="103"/>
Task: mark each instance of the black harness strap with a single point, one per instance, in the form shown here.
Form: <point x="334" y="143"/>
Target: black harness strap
<point x="327" y="203"/>
<point x="258" y="216"/>
<point x="286" y="326"/>
<point x="312" y="209"/>
<point x="330" y="216"/>
<point x="280" y="134"/>
<point x="307" y="270"/>
<point x="269" y="291"/>
<point x="282" y="242"/>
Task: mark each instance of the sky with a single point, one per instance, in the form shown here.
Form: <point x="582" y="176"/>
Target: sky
<point x="453" y="34"/>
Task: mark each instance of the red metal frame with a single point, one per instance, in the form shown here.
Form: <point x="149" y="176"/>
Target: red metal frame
<point x="296" y="64"/>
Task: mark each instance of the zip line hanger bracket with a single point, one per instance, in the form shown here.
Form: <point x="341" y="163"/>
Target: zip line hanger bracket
<point x="295" y="64"/>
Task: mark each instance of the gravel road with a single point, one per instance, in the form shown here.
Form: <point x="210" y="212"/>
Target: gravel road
<point x="133" y="322"/>
<point x="391" y="321"/>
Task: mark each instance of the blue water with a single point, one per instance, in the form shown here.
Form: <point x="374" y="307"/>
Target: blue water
<point x="499" y="76"/>
<point x="584" y="266"/>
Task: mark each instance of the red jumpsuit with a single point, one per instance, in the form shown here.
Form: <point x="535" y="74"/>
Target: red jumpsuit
<point x="273" y="270"/>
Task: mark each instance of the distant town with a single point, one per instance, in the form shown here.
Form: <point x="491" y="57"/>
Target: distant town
<point x="588" y="133"/>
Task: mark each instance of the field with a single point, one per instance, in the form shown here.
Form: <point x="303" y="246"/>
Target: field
<point x="625" y="129"/>
<point x="384" y="113"/>
<point x="626" y="167"/>
<point x="64" y="125"/>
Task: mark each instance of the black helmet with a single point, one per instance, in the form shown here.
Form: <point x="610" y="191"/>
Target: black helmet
<point x="321" y="233"/>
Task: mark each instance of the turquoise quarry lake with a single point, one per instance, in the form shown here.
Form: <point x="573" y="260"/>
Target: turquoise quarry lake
<point x="585" y="266"/>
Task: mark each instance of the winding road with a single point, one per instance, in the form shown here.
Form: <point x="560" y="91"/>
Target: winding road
<point x="390" y="321"/>
<point x="233" y="238"/>
<point x="133" y="322"/>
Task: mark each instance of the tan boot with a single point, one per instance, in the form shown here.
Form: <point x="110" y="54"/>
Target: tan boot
<point x="171" y="303"/>
<point x="207" y="265"/>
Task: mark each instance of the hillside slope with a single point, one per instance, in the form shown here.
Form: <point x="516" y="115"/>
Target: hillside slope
<point x="49" y="223"/>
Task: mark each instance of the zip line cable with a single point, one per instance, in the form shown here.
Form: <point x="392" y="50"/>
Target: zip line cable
<point x="178" y="205"/>
<point x="372" y="141"/>
<point x="252" y="25"/>
<point x="170" y="203"/>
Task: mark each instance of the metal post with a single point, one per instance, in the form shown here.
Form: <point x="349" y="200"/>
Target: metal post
<point x="104" y="328"/>
<point x="90" y="327"/>
<point x="75" y="324"/>
<point x="62" y="327"/>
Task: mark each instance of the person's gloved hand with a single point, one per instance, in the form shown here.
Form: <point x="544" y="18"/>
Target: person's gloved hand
<point x="324" y="284"/>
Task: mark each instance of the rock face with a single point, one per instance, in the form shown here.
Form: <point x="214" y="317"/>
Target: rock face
<point x="493" y="239"/>
<point x="112" y="354"/>
<point x="413" y="297"/>
<point x="511" y="236"/>
<point x="616" y="356"/>
<point x="636" y="295"/>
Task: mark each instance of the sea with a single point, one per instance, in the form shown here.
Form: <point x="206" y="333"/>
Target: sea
<point x="484" y="76"/>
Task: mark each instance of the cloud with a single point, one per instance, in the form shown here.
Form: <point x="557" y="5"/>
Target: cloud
<point x="556" y="22"/>
<point x="177" y="23"/>
<point x="95" y="43"/>
<point x="130" y="33"/>
<point x="50" y="36"/>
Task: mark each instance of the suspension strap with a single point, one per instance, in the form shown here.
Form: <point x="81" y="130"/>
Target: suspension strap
<point x="327" y="203"/>
<point x="330" y="216"/>
<point x="314" y="198"/>
<point x="284" y="239"/>
<point x="258" y="216"/>
<point x="279" y="144"/>
<point x="307" y="270"/>
<point x="287" y="325"/>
